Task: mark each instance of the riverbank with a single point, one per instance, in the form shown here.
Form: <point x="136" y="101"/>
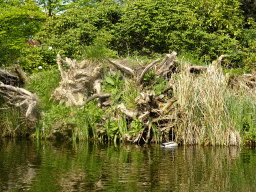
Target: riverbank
<point x="190" y="106"/>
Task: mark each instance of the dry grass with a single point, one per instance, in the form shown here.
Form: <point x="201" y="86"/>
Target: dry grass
<point x="206" y="119"/>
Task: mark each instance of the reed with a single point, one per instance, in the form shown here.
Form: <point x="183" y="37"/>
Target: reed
<point x="206" y="118"/>
<point x="12" y="121"/>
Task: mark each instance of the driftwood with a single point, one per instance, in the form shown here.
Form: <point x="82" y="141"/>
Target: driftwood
<point x="77" y="82"/>
<point x="212" y="68"/>
<point x="81" y="80"/>
<point x="148" y="112"/>
<point x="22" y="98"/>
<point x="16" y="96"/>
<point x="122" y="67"/>
<point x="167" y="65"/>
<point x="130" y="113"/>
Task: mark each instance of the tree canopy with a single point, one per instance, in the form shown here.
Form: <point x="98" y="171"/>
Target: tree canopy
<point x="19" y="20"/>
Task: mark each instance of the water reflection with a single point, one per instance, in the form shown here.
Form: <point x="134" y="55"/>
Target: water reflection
<point x="46" y="166"/>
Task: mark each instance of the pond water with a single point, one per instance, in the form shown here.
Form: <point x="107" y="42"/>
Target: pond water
<point x="47" y="166"/>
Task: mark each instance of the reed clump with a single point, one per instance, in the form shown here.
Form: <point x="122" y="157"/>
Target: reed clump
<point x="212" y="112"/>
<point x="205" y="119"/>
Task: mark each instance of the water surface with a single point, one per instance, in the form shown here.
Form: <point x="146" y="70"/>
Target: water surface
<point x="50" y="166"/>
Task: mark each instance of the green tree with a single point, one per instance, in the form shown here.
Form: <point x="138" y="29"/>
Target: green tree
<point x="51" y="6"/>
<point x="19" y="20"/>
<point x="77" y="28"/>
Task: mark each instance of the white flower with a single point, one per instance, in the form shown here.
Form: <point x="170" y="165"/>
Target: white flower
<point x="50" y="48"/>
<point x="40" y="67"/>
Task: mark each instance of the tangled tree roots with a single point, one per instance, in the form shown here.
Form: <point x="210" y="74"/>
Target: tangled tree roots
<point x="164" y="117"/>
<point x="78" y="82"/>
<point x="16" y="96"/>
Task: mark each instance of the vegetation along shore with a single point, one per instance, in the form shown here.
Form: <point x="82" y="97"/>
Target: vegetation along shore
<point x="130" y="71"/>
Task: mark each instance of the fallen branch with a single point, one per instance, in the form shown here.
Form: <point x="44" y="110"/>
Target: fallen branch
<point x="97" y="95"/>
<point x="8" y="78"/>
<point x="122" y="67"/>
<point x="149" y="131"/>
<point x="167" y="64"/>
<point x="145" y="71"/>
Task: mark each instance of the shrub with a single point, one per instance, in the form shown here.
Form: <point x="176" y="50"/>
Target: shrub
<point x="78" y="28"/>
<point x="35" y="59"/>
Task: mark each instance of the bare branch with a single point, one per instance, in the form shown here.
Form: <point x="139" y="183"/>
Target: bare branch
<point x="122" y="67"/>
<point x="145" y="71"/>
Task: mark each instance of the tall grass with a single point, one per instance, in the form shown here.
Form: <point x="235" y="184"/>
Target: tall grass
<point x="12" y="122"/>
<point x="206" y="118"/>
<point x="242" y="110"/>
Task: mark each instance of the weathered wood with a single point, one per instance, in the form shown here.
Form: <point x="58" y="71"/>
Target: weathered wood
<point x="168" y="104"/>
<point x="98" y="89"/>
<point x="77" y="82"/>
<point x="167" y="64"/>
<point x="8" y="78"/>
<point x="149" y="132"/>
<point x="98" y="95"/>
<point x="62" y="72"/>
<point x="122" y="67"/>
<point x="140" y="78"/>
<point x="20" y="97"/>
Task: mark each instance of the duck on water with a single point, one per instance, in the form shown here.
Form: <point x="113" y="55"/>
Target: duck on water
<point x="170" y="144"/>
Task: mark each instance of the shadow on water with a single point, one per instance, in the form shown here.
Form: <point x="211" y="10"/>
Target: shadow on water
<point x="49" y="166"/>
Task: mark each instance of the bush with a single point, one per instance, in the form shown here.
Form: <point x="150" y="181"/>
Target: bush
<point x="202" y="28"/>
<point x="35" y="59"/>
<point x="78" y="28"/>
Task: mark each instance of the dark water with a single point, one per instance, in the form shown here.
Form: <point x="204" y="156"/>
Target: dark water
<point x="46" y="166"/>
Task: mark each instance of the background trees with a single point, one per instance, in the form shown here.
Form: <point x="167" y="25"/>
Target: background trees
<point x="19" y="20"/>
<point x="202" y="28"/>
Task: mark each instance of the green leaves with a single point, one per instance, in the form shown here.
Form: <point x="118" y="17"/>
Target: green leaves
<point x="18" y="21"/>
<point x="136" y="127"/>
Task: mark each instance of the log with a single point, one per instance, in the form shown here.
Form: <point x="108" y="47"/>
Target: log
<point x="122" y="67"/>
<point x="168" y="104"/>
<point x="98" y="89"/>
<point x="77" y="82"/>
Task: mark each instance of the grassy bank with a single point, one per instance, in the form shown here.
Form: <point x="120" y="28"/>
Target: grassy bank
<point x="209" y="110"/>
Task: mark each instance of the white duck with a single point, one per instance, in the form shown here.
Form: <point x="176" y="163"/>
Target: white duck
<point x="170" y="144"/>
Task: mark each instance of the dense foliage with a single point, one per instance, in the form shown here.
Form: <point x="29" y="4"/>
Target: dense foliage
<point x="19" y="20"/>
<point x="85" y="28"/>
